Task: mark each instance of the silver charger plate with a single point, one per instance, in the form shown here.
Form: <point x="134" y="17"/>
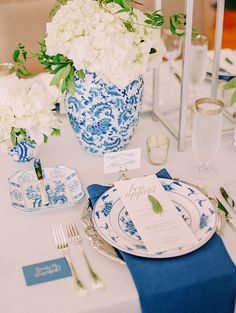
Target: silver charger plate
<point x="114" y="225"/>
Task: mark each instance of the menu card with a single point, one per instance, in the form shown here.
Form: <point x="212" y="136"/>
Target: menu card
<point x="154" y="215"/>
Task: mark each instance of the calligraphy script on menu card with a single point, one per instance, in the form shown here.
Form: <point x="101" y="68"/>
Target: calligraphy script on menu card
<point x="154" y="215"/>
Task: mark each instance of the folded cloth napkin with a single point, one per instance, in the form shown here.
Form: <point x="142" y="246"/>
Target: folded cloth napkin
<point x="203" y="281"/>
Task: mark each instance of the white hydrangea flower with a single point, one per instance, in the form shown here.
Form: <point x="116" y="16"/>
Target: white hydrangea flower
<point x="96" y="40"/>
<point x="25" y="104"/>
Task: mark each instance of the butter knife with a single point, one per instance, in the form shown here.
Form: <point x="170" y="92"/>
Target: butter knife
<point x="39" y="174"/>
<point x="228" y="199"/>
<point x="229" y="219"/>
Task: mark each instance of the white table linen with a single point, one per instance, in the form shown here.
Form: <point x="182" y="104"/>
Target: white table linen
<point x="27" y="238"/>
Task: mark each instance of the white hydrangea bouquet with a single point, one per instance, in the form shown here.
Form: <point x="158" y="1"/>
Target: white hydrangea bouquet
<point x="98" y="51"/>
<point x="25" y="113"/>
<point x="109" y="37"/>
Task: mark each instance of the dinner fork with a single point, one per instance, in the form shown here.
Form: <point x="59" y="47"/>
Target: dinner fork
<point x="62" y="246"/>
<point x="75" y="238"/>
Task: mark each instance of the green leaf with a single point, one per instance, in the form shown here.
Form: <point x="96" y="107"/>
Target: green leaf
<point x="176" y="31"/>
<point x="148" y="22"/>
<point x="24" y="53"/>
<point x="71" y="82"/>
<point x="13" y="138"/>
<point x="15" y="55"/>
<point x="129" y="26"/>
<point x="233" y="98"/>
<point x="122" y="10"/>
<point x="230" y="84"/>
<point x="56" y="132"/>
<point x="81" y="74"/>
<point x="23" y="73"/>
<point x="63" y="86"/>
<point x="60" y="75"/>
<point x="229" y="61"/>
<point x="148" y="15"/>
<point x="156" y="206"/>
<point x="45" y="138"/>
<point x="60" y="66"/>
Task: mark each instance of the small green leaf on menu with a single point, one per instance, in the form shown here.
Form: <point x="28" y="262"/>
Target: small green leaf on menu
<point x="156" y="206"/>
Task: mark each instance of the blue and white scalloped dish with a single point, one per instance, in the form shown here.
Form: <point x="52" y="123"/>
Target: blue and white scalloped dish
<point x="62" y="185"/>
<point x="113" y="223"/>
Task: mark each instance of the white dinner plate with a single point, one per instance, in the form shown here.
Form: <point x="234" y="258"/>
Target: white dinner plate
<point x="113" y="223"/>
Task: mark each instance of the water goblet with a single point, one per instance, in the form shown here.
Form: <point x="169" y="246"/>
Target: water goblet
<point x="198" y="64"/>
<point x="206" y="136"/>
<point x="173" y="46"/>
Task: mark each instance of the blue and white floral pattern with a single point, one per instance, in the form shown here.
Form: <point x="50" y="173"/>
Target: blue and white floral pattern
<point x="102" y="115"/>
<point x="23" y="151"/>
<point x="112" y="220"/>
<point x="127" y="225"/>
<point x="62" y="185"/>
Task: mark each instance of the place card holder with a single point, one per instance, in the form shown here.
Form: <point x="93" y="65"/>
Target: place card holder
<point x="123" y="172"/>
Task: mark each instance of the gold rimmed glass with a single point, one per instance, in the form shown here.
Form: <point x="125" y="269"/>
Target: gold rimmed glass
<point x="206" y="136"/>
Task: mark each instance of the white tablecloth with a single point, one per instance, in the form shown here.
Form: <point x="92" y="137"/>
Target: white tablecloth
<point x="27" y="238"/>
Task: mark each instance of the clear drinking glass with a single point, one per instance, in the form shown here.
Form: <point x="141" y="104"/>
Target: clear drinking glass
<point x="173" y="46"/>
<point x="198" y="64"/>
<point x="206" y="136"/>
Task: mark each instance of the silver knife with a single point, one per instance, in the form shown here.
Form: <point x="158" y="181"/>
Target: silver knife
<point x="39" y="174"/>
<point x="228" y="199"/>
<point x="229" y="218"/>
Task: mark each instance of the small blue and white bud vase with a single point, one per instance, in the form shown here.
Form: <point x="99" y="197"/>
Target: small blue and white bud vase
<point x="104" y="116"/>
<point x="23" y="151"/>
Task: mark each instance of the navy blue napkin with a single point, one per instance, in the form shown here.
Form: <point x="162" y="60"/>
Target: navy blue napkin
<point x="203" y="281"/>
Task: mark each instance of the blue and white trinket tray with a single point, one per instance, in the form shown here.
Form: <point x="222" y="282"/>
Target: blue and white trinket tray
<point x="62" y="185"/>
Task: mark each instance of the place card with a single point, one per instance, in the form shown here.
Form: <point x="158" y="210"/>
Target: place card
<point x="122" y="160"/>
<point x="46" y="271"/>
<point x="154" y="215"/>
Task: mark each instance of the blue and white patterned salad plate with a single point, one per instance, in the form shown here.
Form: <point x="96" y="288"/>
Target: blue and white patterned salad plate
<point x="62" y="185"/>
<point x="113" y="223"/>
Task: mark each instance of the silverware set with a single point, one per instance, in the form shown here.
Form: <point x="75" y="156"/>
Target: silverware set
<point x="228" y="217"/>
<point x="70" y="234"/>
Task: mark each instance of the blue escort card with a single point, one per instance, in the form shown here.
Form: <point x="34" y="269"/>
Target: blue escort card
<point x="46" y="271"/>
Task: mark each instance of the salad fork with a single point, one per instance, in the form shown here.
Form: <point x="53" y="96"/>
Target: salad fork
<point x="62" y="246"/>
<point x="75" y="238"/>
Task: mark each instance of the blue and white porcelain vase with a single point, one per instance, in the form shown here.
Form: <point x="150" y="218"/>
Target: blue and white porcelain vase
<point x="23" y="151"/>
<point x="102" y="115"/>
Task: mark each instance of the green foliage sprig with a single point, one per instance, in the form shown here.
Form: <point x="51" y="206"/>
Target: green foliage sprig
<point x="63" y="68"/>
<point x="20" y="134"/>
<point x="56" y="7"/>
<point x="230" y="85"/>
<point x="19" y="57"/>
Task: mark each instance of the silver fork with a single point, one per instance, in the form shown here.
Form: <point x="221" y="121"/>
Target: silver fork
<point x="75" y="238"/>
<point x="62" y="246"/>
